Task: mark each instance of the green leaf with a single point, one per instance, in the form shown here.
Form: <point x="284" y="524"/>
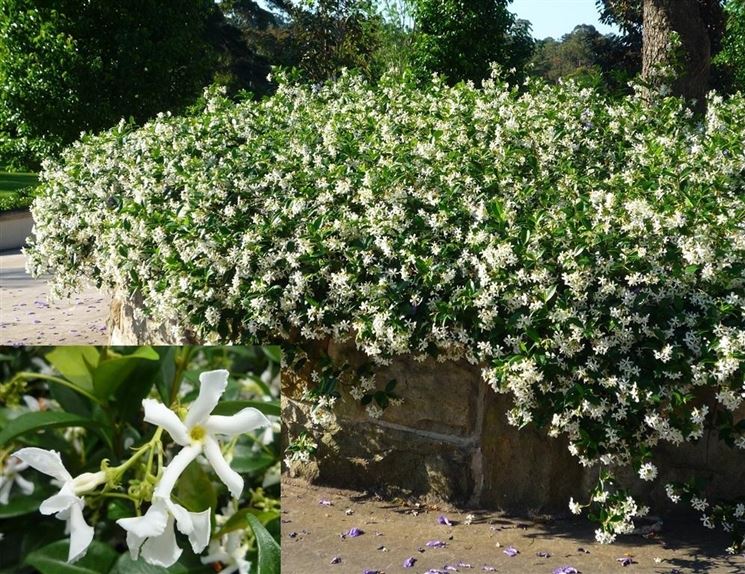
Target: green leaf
<point x="111" y="373"/>
<point x="19" y="505"/>
<point x="75" y="364"/>
<point x="238" y="520"/>
<point x="245" y="461"/>
<point x="269" y="551"/>
<point x="43" y="420"/>
<point x="273" y="352"/>
<point x="164" y="380"/>
<point x="195" y="490"/>
<point x="52" y="559"/>
<point x="187" y="564"/>
<point x="231" y="407"/>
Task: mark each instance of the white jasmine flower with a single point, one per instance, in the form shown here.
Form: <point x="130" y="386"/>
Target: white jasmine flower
<point x="11" y="475"/>
<point x="198" y="432"/>
<point x="575" y="507"/>
<point x="604" y="537"/>
<point x="67" y="504"/>
<point x="648" y="471"/>
<point x="699" y="504"/>
<point x="152" y="535"/>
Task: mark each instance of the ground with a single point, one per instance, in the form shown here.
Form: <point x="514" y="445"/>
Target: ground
<point x="27" y="317"/>
<point x="315" y="517"/>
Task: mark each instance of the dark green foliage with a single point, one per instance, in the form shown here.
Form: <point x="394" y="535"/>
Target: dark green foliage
<point x="585" y="54"/>
<point x="460" y="39"/>
<point x="68" y="66"/>
<point x="730" y="62"/>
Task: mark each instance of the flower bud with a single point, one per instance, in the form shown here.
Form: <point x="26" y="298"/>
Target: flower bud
<point x="88" y="481"/>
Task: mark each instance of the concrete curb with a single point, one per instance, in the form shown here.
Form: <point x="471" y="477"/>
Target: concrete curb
<point x="15" y="228"/>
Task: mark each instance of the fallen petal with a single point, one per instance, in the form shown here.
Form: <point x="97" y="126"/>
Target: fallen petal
<point x="442" y="519"/>
<point x="354" y="532"/>
<point x="566" y="570"/>
<point x="511" y="551"/>
<point x="409" y="562"/>
<point x="435" y="544"/>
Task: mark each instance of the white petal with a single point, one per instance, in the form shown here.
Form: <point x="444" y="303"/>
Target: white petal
<point x="26" y="485"/>
<point x="182" y="516"/>
<point x="61" y="501"/>
<point x="81" y="534"/>
<point x="46" y="461"/>
<point x="230" y="478"/>
<point x="174" y="470"/>
<point x="5" y="486"/>
<point x="134" y="543"/>
<point x="152" y="523"/>
<point x="200" y="535"/>
<point x="158" y="414"/>
<point x="211" y="387"/>
<point x="162" y="550"/>
<point x="243" y="421"/>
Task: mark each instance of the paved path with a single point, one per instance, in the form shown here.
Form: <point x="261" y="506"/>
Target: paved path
<point x="28" y="318"/>
<point x="395" y="531"/>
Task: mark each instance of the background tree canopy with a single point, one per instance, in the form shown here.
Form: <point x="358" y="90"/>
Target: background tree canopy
<point x="68" y="66"/>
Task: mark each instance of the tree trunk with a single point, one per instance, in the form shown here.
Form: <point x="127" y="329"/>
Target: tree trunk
<point x="661" y="19"/>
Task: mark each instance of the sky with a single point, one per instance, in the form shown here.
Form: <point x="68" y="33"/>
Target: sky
<point x="558" y="17"/>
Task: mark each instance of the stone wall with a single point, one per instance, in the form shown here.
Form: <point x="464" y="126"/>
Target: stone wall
<point x="128" y="325"/>
<point x="451" y="440"/>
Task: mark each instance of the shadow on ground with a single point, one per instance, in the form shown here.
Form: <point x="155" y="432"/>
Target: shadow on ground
<point x="395" y="530"/>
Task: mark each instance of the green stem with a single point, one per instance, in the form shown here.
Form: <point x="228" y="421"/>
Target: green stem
<point x="63" y="382"/>
<point x="182" y="362"/>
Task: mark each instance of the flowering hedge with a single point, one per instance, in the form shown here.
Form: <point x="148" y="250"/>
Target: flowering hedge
<point x="589" y="253"/>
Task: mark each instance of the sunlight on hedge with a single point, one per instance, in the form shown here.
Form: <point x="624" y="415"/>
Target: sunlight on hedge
<point x="589" y="253"/>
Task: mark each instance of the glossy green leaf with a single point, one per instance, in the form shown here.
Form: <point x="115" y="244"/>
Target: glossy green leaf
<point x="269" y="551"/>
<point x="35" y="421"/>
<point x="195" y="489"/>
<point x="187" y="564"/>
<point x="238" y="520"/>
<point x="111" y="373"/>
<point x="52" y="559"/>
<point x="245" y="461"/>
<point x="231" y="407"/>
<point x="75" y="363"/>
<point x="20" y="504"/>
<point x="273" y="352"/>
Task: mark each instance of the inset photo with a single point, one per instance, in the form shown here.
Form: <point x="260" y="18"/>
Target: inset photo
<point x="139" y="460"/>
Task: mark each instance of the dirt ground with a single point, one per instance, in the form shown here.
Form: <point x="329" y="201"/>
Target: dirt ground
<point x="314" y="518"/>
<point x="27" y="317"/>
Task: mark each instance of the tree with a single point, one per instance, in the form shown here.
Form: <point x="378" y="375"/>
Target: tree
<point x="730" y="62"/>
<point x="68" y="66"/>
<point x="461" y="38"/>
<point x="585" y="53"/>
<point x="682" y="34"/>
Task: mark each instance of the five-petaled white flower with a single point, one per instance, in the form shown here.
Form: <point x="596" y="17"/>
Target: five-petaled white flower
<point x="197" y="433"/>
<point x="153" y="536"/>
<point x="67" y="504"/>
<point x="10" y="475"/>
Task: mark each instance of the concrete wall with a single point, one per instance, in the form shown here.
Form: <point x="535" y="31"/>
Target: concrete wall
<point x="15" y="228"/>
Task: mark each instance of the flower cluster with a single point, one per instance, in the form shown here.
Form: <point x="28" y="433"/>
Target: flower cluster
<point x="589" y="253"/>
<point x="151" y="535"/>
